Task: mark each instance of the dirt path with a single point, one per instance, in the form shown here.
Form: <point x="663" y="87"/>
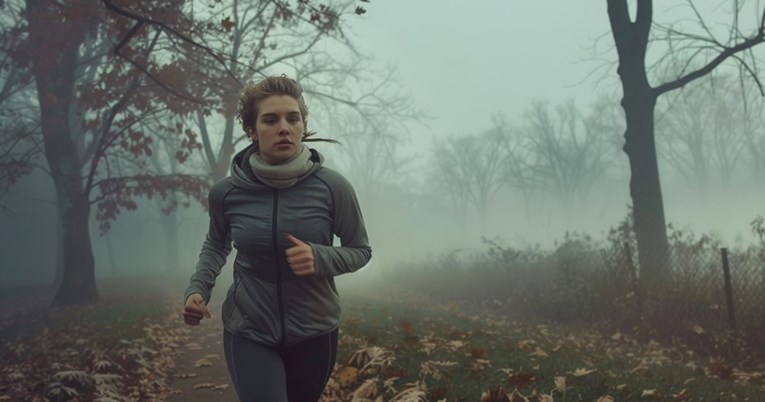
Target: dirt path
<point x="201" y="373"/>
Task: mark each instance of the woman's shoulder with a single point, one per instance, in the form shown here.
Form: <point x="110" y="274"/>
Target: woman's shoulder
<point x="333" y="178"/>
<point x="221" y="185"/>
<point x="219" y="189"/>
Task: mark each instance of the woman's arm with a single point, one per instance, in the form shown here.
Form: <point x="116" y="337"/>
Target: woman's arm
<point x="216" y="246"/>
<point x="348" y="224"/>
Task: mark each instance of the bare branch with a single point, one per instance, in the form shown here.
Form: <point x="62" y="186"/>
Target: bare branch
<point x="728" y="52"/>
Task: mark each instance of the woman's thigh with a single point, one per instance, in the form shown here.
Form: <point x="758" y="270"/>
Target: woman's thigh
<point x="308" y="366"/>
<point x="257" y="371"/>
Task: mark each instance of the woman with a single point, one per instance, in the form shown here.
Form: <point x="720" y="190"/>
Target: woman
<point x="281" y="208"/>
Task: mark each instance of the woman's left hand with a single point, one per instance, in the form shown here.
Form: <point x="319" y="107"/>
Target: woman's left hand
<point x="300" y="257"/>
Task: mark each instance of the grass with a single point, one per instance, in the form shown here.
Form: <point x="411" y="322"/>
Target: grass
<point x="116" y="347"/>
<point x="458" y="357"/>
<point x="122" y="308"/>
<point x="489" y="354"/>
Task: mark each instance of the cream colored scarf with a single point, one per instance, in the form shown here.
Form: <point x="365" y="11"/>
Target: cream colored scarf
<point x="284" y="174"/>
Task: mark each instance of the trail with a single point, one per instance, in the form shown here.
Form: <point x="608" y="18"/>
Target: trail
<point x="201" y="373"/>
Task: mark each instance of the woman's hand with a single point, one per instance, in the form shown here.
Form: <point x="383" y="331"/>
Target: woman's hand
<point x="195" y="309"/>
<point x="300" y="257"/>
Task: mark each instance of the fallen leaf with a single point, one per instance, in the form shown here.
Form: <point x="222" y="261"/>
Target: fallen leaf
<point x="346" y="376"/>
<point x="538" y="353"/>
<point x="203" y="363"/>
<point x="581" y="372"/>
<point x="651" y="393"/>
<point x="521" y="380"/>
<point x="367" y="390"/>
<point x="683" y="395"/>
<point x="560" y="383"/>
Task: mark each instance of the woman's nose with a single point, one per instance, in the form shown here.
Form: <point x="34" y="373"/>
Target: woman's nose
<point x="284" y="127"/>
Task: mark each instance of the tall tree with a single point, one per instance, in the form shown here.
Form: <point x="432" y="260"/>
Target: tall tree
<point x="91" y="107"/>
<point x="639" y="101"/>
<point x="58" y="32"/>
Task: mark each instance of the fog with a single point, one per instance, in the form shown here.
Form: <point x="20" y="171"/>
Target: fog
<point x="460" y="67"/>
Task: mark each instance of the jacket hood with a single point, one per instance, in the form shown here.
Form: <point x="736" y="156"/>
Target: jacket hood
<point x="243" y="177"/>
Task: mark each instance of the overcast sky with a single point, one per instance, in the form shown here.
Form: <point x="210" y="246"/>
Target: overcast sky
<point x="463" y="63"/>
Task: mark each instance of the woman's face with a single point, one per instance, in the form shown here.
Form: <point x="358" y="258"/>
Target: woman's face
<point x="278" y="128"/>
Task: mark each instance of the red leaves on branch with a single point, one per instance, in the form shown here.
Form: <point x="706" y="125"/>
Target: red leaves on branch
<point x="173" y="190"/>
<point x="227" y="24"/>
<point x="13" y="170"/>
<point x="137" y="144"/>
<point x="187" y="146"/>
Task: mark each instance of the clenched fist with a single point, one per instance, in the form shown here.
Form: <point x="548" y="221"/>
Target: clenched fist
<point x="300" y="257"/>
<point x="195" y="309"/>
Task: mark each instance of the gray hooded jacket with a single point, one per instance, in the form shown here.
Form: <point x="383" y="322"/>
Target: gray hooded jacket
<point x="267" y="302"/>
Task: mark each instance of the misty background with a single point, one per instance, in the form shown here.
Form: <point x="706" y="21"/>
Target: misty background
<point x="463" y="84"/>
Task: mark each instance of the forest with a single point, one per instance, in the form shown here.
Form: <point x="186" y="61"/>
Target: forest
<point x="604" y="243"/>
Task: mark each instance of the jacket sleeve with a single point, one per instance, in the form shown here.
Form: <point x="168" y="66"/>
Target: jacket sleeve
<point x="215" y="248"/>
<point x="348" y="224"/>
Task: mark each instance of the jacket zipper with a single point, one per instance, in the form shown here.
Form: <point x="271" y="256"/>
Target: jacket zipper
<point x="278" y="270"/>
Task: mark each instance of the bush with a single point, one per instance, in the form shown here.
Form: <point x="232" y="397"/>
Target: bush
<point x="589" y="283"/>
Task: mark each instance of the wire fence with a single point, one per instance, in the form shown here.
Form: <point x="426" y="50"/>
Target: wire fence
<point x="708" y="297"/>
<point x="717" y="289"/>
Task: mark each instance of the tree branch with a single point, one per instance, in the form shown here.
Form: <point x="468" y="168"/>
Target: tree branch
<point x="143" y="20"/>
<point x="728" y="52"/>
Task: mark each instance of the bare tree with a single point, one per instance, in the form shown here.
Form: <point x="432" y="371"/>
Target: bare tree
<point x="702" y="131"/>
<point x="685" y="49"/>
<point x="567" y="151"/>
<point x="267" y="37"/>
<point x="754" y="133"/>
<point x="371" y="157"/>
<point x="20" y="151"/>
<point x="471" y="169"/>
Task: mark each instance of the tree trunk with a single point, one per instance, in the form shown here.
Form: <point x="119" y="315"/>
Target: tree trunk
<point x="172" y="250"/>
<point x="78" y="284"/>
<point x="645" y="188"/>
<point x="639" y="102"/>
<point x="110" y="252"/>
<point x="226" y="150"/>
<point x="55" y="35"/>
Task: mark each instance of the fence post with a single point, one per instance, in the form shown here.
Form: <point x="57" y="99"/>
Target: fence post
<point x="728" y="288"/>
<point x="633" y="277"/>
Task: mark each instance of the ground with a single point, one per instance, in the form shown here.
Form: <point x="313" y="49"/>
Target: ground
<point x="394" y="346"/>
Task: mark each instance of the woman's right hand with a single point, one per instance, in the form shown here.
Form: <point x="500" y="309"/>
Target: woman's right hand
<point x="195" y="309"/>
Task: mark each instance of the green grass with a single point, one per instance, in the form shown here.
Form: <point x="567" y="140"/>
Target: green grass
<point x="118" y="314"/>
<point x="510" y="347"/>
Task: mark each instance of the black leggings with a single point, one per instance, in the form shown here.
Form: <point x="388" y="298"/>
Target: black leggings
<point x="296" y="373"/>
